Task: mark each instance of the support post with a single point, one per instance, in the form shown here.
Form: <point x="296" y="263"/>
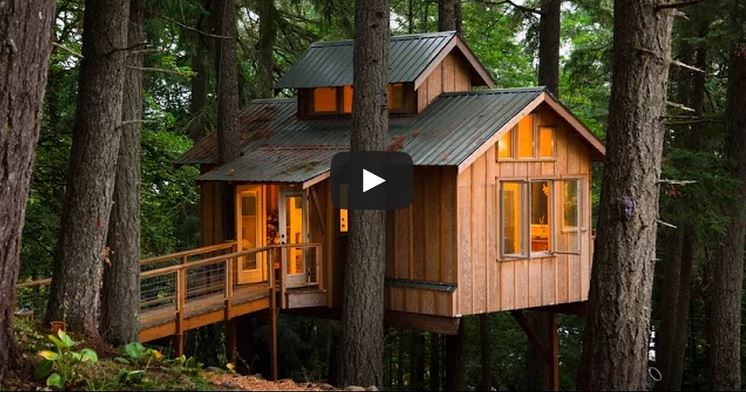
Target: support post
<point x="273" y="316"/>
<point x="180" y="306"/>
<point x="554" y="352"/>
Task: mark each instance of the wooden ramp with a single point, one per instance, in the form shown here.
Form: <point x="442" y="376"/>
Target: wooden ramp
<point x="194" y="288"/>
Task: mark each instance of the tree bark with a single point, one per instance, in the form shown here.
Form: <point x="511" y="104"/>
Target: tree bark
<point x="485" y="383"/>
<point x="726" y="277"/>
<point x="76" y="283"/>
<point x="121" y="289"/>
<point x="617" y="329"/>
<point x="201" y="63"/>
<point x="455" y="347"/>
<point x="671" y="338"/>
<point x="362" y="308"/>
<point x="24" y="59"/>
<point x="265" y="47"/>
<point x="549" y="45"/>
<point x="449" y="15"/>
<point x="229" y="136"/>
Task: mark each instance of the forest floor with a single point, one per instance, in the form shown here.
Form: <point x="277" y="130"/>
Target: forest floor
<point x="120" y="369"/>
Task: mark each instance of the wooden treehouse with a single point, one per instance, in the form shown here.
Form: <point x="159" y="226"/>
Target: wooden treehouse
<point x="500" y="220"/>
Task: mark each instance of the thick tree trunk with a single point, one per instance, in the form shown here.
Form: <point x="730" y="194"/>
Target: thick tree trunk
<point x="76" y="283"/>
<point x="617" y="329"/>
<point x="485" y="383"/>
<point x="726" y="285"/>
<point x="265" y="47"/>
<point x="549" y="45"/>
<point x="202" y="62"/>
<point x="449" y="15"/>
<point x="24" y="57"/>
<point x="229" y="135"/>
<point x="455" y="357"/>
<point x="120" y="303"/>
<point x="417" y="363"/>
<point x="362" y="308"/>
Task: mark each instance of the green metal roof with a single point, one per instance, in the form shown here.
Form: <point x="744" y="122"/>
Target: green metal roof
<point x="327" y="64"/>
<point x="280" y="147"/>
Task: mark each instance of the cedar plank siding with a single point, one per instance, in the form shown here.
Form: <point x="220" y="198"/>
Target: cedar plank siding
<point x="486" y="284"/>
<point x="451" y="75"/>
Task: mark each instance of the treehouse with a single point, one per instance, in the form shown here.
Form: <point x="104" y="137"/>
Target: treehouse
<point x="501" y="215"/>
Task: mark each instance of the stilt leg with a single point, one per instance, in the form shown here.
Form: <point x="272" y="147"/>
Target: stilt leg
<point x="554" y="352"/>
<point x="230" y="340"/>
<point x="273" y="349"/>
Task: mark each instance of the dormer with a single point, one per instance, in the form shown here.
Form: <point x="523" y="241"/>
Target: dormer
<point x="422" y="66"/>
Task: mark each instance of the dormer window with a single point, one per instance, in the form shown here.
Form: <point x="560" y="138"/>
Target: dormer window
<point x="325" y="100"/>
<point x="330" y="101"/>
<point x="527" y="141"/>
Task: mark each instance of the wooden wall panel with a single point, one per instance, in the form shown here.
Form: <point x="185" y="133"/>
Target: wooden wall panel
<point x="487" y="284"/>
<point x="451" y="75"/>
<point x="424" y="244"/>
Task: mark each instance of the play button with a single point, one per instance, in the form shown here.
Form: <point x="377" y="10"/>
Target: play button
<point x="371" y="180"/>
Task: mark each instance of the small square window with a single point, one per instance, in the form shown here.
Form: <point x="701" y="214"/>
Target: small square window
<point x="325" y="99"/>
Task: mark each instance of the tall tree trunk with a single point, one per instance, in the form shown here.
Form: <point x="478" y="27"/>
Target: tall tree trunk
<point x="76" y="283"/>
<point x="549" y="45"/>
<point x="265" y="47"/>
<point x="485" y="383"/>
<point x="362" y="308"/>
<point x="449" y="15"/>
<point x="726" y="278"/>
<point x="617" y="329"/>
<point x="201" y="63"/>
<point x="455" y="357"/>
<point x="24" y="59"/>
<point x="417" y="363"/>
<point x="120" y="304"/>
<point x="671" y="348"/>
<point x="229" y="136"/>
<point x="538" y="371"/>
<point x="435" y="362"/>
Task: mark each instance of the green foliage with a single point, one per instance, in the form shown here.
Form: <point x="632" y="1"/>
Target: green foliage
<point x="61" y="365"/>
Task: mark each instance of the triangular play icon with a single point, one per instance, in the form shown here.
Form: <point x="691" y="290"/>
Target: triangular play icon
<point x="371" y="180"/>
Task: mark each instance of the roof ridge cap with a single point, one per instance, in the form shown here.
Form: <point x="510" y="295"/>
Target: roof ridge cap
<point x="398" y="37"/>
<point x="509" y="90"/>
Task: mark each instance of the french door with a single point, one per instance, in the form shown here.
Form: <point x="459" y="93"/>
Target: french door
<point x="293" y="226"/>
<point x="251" y="233"/>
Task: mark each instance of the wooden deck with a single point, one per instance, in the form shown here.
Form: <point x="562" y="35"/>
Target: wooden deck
<point x="190" y="289"/>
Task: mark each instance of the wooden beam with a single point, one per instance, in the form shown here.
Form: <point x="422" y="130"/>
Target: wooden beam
<point x="533" y="338"/>
<point x="430" y="323"/>
<point x="574" y="308"/>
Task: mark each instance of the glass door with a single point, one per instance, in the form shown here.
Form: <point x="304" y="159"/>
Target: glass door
<point x="292" y="231"/>
<point x="250" y="230"/>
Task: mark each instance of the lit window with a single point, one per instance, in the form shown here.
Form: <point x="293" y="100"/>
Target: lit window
<point x="568" y="236"/>
<point x="343" y="223"/>
<point x="525" y="138"/>
<point x="513" y="206"/>
<point x="540" y="197"/>
<point x="546" y="142"/>
<point x="396" y="97"/>
<point x="325" y="99"/>
<point x="505" y="146"/>
<point x="347" y="99"/>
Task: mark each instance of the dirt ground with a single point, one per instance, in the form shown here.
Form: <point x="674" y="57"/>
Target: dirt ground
<point x="252" y="383"/>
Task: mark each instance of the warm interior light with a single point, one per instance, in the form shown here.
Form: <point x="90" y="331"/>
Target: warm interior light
<point x="512" y="223"/>
<point x="525" y="137"/>
<point x="343" y="223"/>
<point x="546" y="142"/>
<point x="540" y="233"/>
<point x="396" y="96"/>
<point x="505" y="146"/>
<point x="347" y="99"/>
<point x="325" y="99"/>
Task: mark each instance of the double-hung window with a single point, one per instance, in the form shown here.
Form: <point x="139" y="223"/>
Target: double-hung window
<point x="539" y="217"/>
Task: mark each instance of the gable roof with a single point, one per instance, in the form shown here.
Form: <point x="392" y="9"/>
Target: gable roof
<point x="455" y="128"/>
<point x="411" y="56"/>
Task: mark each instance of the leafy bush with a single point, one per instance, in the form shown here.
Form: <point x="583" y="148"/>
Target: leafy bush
<point x="60" y="366"/>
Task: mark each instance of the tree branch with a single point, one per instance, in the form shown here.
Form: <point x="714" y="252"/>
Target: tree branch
<point x="66" y="49"/>
<point x="163" y="70"/>
<point x="194" y="29"/>
<point x="676" y="4"/>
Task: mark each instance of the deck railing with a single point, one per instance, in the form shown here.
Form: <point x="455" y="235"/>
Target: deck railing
<point x="173" y="281"/>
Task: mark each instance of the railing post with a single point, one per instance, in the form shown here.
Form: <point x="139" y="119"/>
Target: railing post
<point x="181" y="289"/>
<point x="283" y="274"/>
<point x="319" y="267"/>
<point x="228" y="290"/>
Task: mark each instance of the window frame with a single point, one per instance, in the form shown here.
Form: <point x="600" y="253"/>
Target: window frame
<point x="556" y="223"/>
<point x="535" y="134"/>
<point x="336" y="101"/>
